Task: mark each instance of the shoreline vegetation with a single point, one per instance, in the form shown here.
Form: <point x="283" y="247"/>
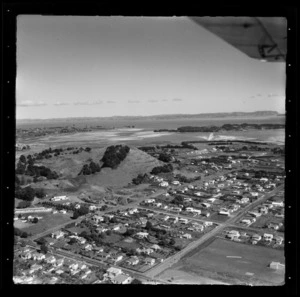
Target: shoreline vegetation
<point x="225" y="127"/>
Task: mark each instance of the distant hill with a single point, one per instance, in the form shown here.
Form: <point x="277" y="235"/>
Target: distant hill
<point x="163" y="116"/>
<point x="136" y="162"/>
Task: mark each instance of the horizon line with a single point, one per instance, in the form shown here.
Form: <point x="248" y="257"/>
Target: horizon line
<point x="148" y="116"/>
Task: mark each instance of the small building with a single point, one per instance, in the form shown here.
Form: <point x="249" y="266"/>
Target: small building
<point x="277" y="265"/>
<point x="133" y="260"/>
<point x="268" y="237"/>
<point x="122" y="279"/>
<point x="149" y="261"/>
<point x="113" y="272"/>
<point x="142" y="234"/>
<point x="58" y="234"/>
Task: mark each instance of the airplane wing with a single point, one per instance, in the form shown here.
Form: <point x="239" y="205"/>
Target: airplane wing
<point x="263" y="38"/>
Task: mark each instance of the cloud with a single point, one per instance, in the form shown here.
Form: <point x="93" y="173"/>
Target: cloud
<point x="109" y="101"/>
<point x="152" y="101"/>
<point x="272" y="95"/>
<point x="61" y="103"/>
<point x="133" y="101"/>
<point x="176" y="99"/>
<point x="164" y="100"/>
<point x="82" y="103"/>
<point x="27" y="103"/>
<point x="97" y="102"/>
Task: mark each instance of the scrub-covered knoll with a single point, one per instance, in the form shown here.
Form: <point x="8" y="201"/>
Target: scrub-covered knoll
<point x="114" y="155"/>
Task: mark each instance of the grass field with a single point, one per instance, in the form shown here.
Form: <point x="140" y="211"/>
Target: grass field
<point x="48" y="221"/>
<point x="250" y="264"/>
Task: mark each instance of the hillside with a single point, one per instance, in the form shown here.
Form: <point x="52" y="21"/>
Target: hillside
<point x="135" y="163"/>
<point x="69" y="166"/>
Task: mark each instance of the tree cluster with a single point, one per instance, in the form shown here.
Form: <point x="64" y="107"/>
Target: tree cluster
<point x="83" y="210"/>
<point x="24" y="204"/>
<point x="165" y="157"/>
<point x="26" y="193"/>
<point x="178" y="200"/>
<point x="88" y="169"/>
<point x="141" y="178"/>
<point x="38" y="171"/>
<point x="18" y="232"/>
<point x="114" y="155"/>
<point x="162" y="169"/>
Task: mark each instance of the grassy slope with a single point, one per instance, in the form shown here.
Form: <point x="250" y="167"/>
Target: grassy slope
<point x="70" y="165"/>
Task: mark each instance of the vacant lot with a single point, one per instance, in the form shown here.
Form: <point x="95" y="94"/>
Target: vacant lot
<point x="234" y="263"/>
<point x="48" y="221"/>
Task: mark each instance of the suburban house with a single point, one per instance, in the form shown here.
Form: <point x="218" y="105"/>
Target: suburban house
<point x="164" y="184"/>
<point x="122" y="279"/>
<point x="59" y="198"/>
<point x="58" y="234"/>
<point x="256" y="237"/>
<point x="50" y="259"/>
<point x="268" y="237"/>
<point x="278" y="239"/>
<point x="254" y="214"/>
<point x="187" y="236"/>
<point x="142" y="234"/>
<point x="275" y="203"/>
<point x="149" y="261"/>
<point x="37" y="256"/>
<point x="156" y="247"/>
<point x="133" y="260"/>
<point x="113" y="272"/>
<point x="224" y="212"/>
<point x="97" y="219"/>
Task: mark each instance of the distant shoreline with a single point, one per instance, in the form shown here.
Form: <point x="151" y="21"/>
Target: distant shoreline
<point x="153" y="117"/>
<point x="225" y="127"/>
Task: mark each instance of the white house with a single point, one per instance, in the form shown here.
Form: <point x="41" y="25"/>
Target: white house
<point x="275" y="203"/>
<point x="164" y="184"/>
<point x="142" y="234"/>
<point x="113" y="272"/>
<point x="224" y="212"/>
<point x="58" y="234"/>
<point x="149" y="261"/>
<point x="187" y="236"/>
<point x="268" y="237"/>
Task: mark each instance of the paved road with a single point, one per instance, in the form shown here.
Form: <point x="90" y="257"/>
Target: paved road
<point x="173" y="259"/>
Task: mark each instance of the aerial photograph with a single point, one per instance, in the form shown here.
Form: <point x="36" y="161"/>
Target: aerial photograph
<point x="150" y="150"/>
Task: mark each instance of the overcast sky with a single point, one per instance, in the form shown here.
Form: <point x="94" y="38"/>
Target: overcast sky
<point x="81" y="66"/>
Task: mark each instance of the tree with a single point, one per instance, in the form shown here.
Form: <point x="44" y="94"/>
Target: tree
<point x="41" y="241"/>
<point x="136" y="282"/>
<point x="149" y="225"/>
<point x="40" y="193"/>
<point x="24" y="204"/>
<point x="24" y="235"/>
<point x="44" y="248"/>
<point x="17" y="232"/>
<point x="72" y="241"/>
<point x="22" y="159"/>
<point x="35" y="220"/>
